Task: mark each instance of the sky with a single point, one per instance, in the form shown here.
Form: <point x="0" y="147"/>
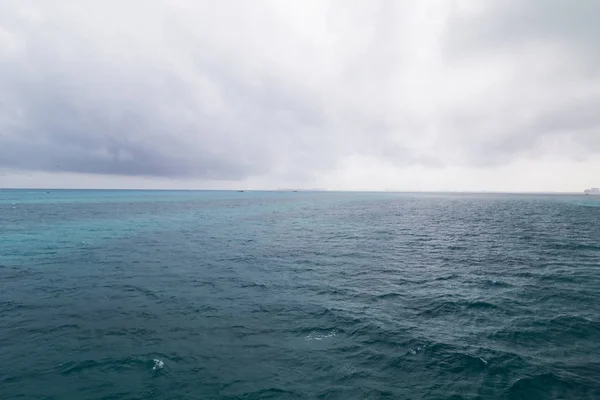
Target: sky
<point x="464" y="95"/>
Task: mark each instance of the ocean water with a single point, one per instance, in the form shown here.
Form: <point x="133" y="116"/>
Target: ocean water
<point x="275" y="295"/>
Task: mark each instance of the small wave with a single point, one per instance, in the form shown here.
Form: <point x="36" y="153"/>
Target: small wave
<point x="452" y="307"/>
<point x="344" y="392"/>
<point x="270" y="393"/>
<point x="11" y="305"/>
<point x="332" y="291"/>
<point x="496" y="283"/>
<point x="554" y="332"/>
<point x="575" y="326"/>
<point x="106" y="365"/>
<point x="572" y="246"/>
<point x="547" y="386"/>
<point x="69" y="368"/>
<point x="446" y="278"/>
<point x="146" y="292"/>
<point x="454" y="358"/>
<point x="253" y="285"/>
<point x="481" y="304"/>
<point x="560" y="278"/>
<point x="46" y="330"/>
<point x="387" y="296"/>
<point x="461" y="362"/>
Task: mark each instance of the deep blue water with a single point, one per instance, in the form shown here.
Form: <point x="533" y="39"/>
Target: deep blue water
<point x="256" y="295"/>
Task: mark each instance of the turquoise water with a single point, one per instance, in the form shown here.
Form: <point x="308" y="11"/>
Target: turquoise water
<point x="256" y="295"/>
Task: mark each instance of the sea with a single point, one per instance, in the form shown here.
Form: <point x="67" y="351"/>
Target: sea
<point x="108" y="294"/>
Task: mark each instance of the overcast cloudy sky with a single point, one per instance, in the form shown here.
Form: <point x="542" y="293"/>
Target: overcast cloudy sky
<point x="352" y="95"/>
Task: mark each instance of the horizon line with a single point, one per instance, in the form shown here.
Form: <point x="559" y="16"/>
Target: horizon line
<point x="315" y="190"/>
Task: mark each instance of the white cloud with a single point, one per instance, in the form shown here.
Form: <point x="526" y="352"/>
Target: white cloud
<point x="343" y="94"/>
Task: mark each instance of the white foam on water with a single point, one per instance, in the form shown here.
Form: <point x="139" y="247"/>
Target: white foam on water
<point x="158" y="364"/>
<point x="417" y="349"/>
<point x="485" y="362"/>
<point x="319" y="336"/>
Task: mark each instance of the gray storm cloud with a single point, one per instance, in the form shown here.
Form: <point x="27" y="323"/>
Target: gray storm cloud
<point x="229" y="90"/>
